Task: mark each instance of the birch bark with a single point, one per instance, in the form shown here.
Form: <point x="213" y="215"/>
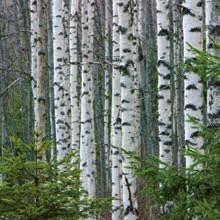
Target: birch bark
<point x="35" y="60"/>
<point x="164" y="86"/>
<point x="107" y="90"/>
<point x="192" y="33"/>
<point x="213" y="39"/>
<point x="74" y="69"/>
<point x="61" y="78"/>
<point x="92" y="149"/>
<point x="128" y="115"/>
<point x="87" y="145"/>
<point x="51" y="75"/>
<point x="116" y="120"/>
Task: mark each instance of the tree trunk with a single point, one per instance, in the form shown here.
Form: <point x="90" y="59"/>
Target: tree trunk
<point x="41" y="78"/>
<point x="128" y="106"/>
<point x="87" y="145"/>
<point x="74" y="69"/>
<point x="192" y="33"/>
<point x="51" y="76"/>
<point x="213" y="40"/>
<point x="164" y="86"/>
<point x="116" y="120"/>
<point x="61" y="78"/>
<point x="107" y="91"/>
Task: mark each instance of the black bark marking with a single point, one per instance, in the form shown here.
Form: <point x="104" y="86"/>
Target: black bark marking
<point x="196" y="29"/>
<point x="164" y="63"/>
<point x="195" y="134"/>
<point x="167" y="143"/>
<point x="187" y="11"/>
<point x="191" y="106"/>
<point x="126" y="124"/>
<point x="163" y="32"/>
<point x="123" y="30"/>
<point x="130" y="208"/>
<point x="214" y="30"/>
<point x="164" y="87"/>
<point x="191" y="87"/>
<point x="199" y="4"/>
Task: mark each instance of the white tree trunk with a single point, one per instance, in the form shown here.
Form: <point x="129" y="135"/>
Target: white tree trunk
<point x="116" y="120"/>
<point x="128" y="106"/>
<point x="164" y="87"/>
<point x="74" y="73"/>
<point x="87" y="145"/>
<point x="107" y="91"/>
<point x="34" y="50"/>
<point x="213" y="39"/>
<point x="61" y="78"/>
<point x="192" y="31"/>
<point x="92" y="150"/>
<point x="137" y="57"/>
<point x="38" y="16"/>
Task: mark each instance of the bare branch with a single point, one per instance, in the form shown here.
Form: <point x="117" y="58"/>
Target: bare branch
<point x="9" y="87"/>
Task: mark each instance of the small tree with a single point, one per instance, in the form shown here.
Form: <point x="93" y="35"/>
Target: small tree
<point x="34" y="189"/>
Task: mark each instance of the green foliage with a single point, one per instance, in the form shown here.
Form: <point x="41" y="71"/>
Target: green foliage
<point x="205" y="65"/>
<point x="195" y="191"/>
<point x="36" y="189"/>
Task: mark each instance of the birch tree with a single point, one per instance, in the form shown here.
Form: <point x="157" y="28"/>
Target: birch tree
<point x="34" y="40"/>
<point x="107" y="90"/>
<point x="51" y="73"/>
<point x="192" y="33"/>
<point x="39" y="64"/>
<point x="61" y="78"/>
<point x="87" y="145"/>
<point x="164" y="86"/>
<point x="128" y="105"/>
<point x="212" y="40"/>
<point x="116" y="119"/>
<point x="74" y="73"/>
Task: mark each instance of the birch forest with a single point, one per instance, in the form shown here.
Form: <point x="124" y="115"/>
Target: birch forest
<point x="109" y="109"/>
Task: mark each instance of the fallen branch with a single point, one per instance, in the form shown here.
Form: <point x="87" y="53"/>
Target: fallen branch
<point x="8" y="87"/>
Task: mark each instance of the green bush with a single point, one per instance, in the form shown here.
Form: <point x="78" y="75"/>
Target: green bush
<point x="34" y="189"/>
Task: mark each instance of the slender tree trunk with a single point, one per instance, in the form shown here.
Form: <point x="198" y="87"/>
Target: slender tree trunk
<point x="107" y="91"/>
<point x="39" y="65"/>
<point x="92" y="150"/>
<point x="51" y="75"/>
<point x="2" y="110"/>
<point x="61" y="78"/>
<point x="128" y="105"/>
<point x="164" y="86"/>
<point x="141" y="56"/>
<point x="116" y="120"/>
<point x="34" y="51"/>
<point x="178" y="80"/>
<point x="24" y="7"/>
<point x="74" y="69"/>
<point x="87" y="145"/>
<point x="41" y="78"/>
<point x="192" y="33"/>
<point x="137" y="57"/>
<point x="213" y="39"/>
<point x="151" y="81"/>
